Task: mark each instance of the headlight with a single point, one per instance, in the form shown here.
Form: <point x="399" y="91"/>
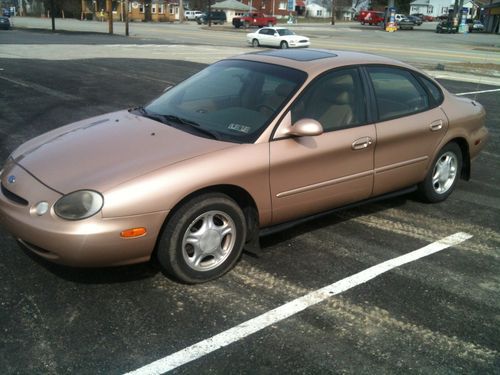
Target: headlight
<point x="79" y="205"/>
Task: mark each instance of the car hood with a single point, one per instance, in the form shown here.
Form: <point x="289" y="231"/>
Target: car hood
<point x="105" y="151"/>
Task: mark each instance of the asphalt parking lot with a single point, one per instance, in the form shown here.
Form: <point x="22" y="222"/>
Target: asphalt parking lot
<point x="439" y="314"/>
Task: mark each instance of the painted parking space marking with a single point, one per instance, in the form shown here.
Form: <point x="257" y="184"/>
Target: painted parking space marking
<point x="477" y="92"/>
<point x="291" y="308"/>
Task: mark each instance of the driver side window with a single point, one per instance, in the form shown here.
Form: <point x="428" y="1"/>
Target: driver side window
<point x="335" y="100"/>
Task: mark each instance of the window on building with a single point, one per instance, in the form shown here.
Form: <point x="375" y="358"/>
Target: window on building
<point x="283" y="5"/>
<point x="319" y="13"/>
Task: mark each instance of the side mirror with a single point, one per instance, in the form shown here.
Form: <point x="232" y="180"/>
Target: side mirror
<point x="306" y="128"/>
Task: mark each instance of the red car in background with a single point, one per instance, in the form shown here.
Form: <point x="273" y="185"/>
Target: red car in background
<point x="371" y="17"/>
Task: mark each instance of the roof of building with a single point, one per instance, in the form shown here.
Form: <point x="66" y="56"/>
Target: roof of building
<point x="233" y="5"/>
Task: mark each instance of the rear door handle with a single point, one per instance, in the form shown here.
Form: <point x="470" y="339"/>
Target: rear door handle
<point x="436" y="125"/>
<point x="361" y="143"/>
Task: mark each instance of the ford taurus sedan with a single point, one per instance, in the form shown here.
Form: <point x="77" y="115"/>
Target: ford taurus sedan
<point x="248" y="144"/>
<point x="277" y="37"/>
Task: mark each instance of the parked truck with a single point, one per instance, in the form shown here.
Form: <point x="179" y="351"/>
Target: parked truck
<point x="371" y="17"/>
<point x="254" y="19"/>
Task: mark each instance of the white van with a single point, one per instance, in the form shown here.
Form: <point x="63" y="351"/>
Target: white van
<point x="192" y="15"/>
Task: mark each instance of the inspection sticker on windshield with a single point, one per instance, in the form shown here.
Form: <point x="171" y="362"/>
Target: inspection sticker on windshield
<point x="239" y="128"/>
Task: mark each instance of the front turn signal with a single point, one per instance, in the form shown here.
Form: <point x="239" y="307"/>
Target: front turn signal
<point x="133" y="232"/>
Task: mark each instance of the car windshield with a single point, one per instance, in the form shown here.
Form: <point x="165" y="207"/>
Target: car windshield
<point x="232" y="100"/>
<point x="284" y="32"/>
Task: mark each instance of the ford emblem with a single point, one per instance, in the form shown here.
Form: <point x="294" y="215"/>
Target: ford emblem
<point x="11" y="179"/>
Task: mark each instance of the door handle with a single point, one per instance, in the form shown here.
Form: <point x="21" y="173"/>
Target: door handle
<point x="361" y="143"/>
<point x="436" y="125"/>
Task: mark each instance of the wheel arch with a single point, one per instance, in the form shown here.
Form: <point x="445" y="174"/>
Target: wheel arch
<point x="242" y="198"/>
<point x="464" y="147"/>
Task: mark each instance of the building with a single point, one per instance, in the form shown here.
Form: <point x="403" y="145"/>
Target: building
<point x="232" y="8"/>
<point x="314" y="10"/>
<point x="491" y="17"/>
<point x="436" y="8"/>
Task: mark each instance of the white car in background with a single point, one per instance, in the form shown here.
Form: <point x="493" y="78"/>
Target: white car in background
<point x="277" y="37"/>
<point x="192" y="15"/>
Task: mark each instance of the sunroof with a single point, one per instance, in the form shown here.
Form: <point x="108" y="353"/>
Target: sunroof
<point x="299" y="54"/>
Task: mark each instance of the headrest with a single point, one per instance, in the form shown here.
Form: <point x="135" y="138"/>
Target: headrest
<point x="342" y="97"/>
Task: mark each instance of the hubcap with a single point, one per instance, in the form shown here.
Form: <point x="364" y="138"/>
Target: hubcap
<point x="209" y="240"/>
<point x="445" y="172"/>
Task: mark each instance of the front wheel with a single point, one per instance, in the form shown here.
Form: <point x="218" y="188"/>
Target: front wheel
<point x="283" y="45"/>
<point x="255" y="43"/>
<point x="203" y="239"/>
<point x="443" y="175"/>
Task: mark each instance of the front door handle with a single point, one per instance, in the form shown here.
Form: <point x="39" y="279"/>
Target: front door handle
<point x="436" y="125"/>
<point x="361" y="143"/>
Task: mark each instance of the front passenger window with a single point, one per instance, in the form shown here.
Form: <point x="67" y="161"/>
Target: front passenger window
<point x="335" y="100"/>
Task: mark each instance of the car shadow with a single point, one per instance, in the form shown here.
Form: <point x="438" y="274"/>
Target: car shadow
<point x="330" y="219"/>
<point x="142" y="271"/>
<point x="100" y="275"/>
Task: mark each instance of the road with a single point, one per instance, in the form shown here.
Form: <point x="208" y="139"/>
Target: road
<point x="439" y="314"/>
<point x="421" y="46"/>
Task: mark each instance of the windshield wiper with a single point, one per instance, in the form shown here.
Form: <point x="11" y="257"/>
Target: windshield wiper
<point x="192" y="124"/>
<point x="168" y="119"/>
<point x="153" y="116"/>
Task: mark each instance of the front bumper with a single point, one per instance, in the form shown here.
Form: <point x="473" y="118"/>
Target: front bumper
<point x="92" y="242"/>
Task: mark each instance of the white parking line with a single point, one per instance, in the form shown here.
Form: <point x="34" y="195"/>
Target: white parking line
<point x="251" y="326"/>
<point x="477" y="92"/>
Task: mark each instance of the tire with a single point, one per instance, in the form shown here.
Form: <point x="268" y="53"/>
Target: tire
<point x="283" y="45"/>
<point x="255" y="43"/>
<point x="443" y="175"/>
<point x="203" y="239"/>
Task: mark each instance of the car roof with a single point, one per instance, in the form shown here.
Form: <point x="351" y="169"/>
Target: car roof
<point x="315" y="61"/>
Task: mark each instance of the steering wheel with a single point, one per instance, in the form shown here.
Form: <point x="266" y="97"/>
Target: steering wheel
<point x="266" y="107"/>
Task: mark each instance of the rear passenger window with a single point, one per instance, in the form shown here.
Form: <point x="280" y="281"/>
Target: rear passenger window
<point x="397" y="92"/>
<point x="433" y="89"/>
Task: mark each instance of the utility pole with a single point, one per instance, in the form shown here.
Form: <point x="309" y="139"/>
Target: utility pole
<point x="181" y="11"/>
<point x="126" y="17"/>
<point x="209" y="13"/>
<point x="52" y="15"/>
<point x="110" y="15"/>
<point x="333" y="12"/>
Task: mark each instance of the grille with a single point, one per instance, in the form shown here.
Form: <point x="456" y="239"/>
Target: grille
<point x="14" y="197"/>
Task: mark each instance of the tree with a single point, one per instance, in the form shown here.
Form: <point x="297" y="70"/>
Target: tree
<point x="402" y="6"/>
<point x="70" y="8"/>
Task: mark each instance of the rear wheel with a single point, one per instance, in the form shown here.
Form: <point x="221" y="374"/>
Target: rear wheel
<point x="283" y="45"/>
<point x="443" y="175"/>
<point x="255" y="43"/>
<point x="203" y="239"/>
